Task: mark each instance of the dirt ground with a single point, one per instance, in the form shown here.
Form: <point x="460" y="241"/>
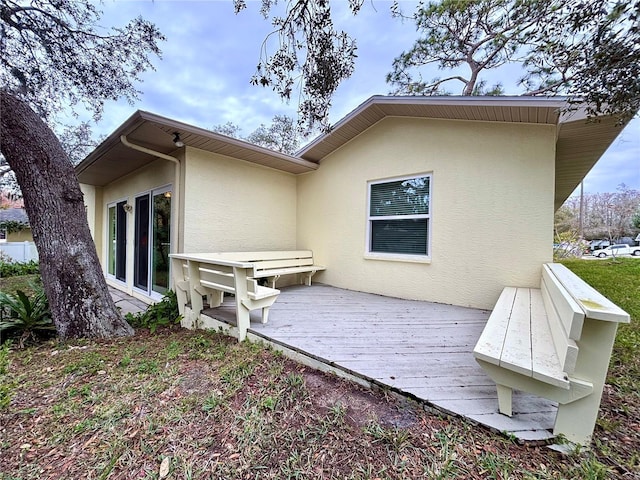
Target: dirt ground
<point x="183" y="404"/>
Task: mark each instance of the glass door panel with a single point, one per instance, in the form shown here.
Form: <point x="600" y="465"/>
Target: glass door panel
<point x="161" y="242"/>
<point x="111" y="241"/>
<point x="152" y="241"/>
<point x="121" y="241"/>
<point x="141" y="245"/>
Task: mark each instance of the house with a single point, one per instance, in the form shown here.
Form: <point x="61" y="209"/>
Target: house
<point x="378" y="199"/>
<point x="14" y="225"/>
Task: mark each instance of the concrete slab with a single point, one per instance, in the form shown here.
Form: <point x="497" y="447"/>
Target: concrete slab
<point x="127" y="303"/>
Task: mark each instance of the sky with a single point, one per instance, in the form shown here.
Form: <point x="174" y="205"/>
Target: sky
<point x="211" y="53"/>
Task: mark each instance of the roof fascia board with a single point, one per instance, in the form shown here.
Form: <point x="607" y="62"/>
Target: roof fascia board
<point x="140" y="116"/>
<point x="480" y="101"/>
<point x="186" y="128"/>
<point x="130" y="124"/>
<point x="476" y="100"/>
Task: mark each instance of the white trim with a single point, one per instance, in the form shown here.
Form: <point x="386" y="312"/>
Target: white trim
<point x="446" y="100"/>
<point x="150" y="193"/>
<point x="401" y="257"/>
<point x="107" y="206"/>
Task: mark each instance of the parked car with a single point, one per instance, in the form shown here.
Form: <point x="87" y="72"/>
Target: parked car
<point x="598" y="244"/>
<point x="628" y="240"/>
<point x="614" y="250"/>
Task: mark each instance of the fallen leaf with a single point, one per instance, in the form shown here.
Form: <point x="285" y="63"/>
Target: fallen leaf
<point x="164" y="467"/>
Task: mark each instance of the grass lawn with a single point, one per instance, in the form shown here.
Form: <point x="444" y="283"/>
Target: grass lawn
<point x="11" y="284"/>
<point x="204" y="406"/>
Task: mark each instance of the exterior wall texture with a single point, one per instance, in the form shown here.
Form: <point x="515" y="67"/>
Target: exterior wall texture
<point x="157" y="174"/>
<point x="232" y="205"/>
<point x="93" y="204"/>
<point x="492" y="208"/>
<point x="20" y="236"/>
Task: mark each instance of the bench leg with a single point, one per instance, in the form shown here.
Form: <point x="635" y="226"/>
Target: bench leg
<point x="505" y="395"/>
<point x="577" y="420"/>
<point x="243" y="320"/>
<point x="182" y="299"/>
<point x="307" y="278"/>
<point x="215" y="298"/>
<point x="265" y="314"/>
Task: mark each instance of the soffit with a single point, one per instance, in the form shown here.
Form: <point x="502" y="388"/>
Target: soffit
<point x="491" y="109"/>
<point x="112" y="160"/>
<point x="580" y="145"/>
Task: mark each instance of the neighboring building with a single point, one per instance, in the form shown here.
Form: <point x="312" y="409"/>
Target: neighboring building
<point x="14" y="226"/>
<point x="378" y="199"/>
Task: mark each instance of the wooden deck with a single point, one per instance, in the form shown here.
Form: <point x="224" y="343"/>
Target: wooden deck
<point x="419" y="349"/>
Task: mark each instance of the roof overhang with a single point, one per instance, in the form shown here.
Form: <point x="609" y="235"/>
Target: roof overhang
<point x="112" y="160"/>
<point x="580" y="142"/>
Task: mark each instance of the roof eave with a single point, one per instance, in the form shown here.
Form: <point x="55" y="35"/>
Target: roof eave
<point x="484" y="101"/>
<point x="187" y="132"/>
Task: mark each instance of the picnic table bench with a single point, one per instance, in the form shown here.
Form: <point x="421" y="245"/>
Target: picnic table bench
<point x="554" y="342"/>
<point x="210" y="275"/>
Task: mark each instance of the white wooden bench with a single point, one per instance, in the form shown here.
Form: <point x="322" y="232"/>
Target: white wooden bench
<point x="274" y="264"/>
<point x="199" y="275"/>
<point x="554" y="342"/>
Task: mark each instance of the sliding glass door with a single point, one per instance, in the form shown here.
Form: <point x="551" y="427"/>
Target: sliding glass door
<point x="141" y="244"/>
<point x="152" y="241"/>
<point x="117" y="241"/>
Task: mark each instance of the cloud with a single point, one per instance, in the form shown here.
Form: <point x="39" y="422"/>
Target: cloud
<point x="211" y="53"/>
<point x="620" y="163"/>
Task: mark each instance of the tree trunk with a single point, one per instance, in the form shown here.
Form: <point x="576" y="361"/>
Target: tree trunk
<point x="79" y="299"/>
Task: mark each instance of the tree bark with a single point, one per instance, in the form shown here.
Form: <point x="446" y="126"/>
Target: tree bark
<point x="79" y="299"/>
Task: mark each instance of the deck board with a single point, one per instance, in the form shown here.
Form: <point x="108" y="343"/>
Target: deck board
<point x="419" y="348"/>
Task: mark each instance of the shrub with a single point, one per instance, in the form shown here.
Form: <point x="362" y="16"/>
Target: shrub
<point x="14" y="269"/>
<point x="25" y="316"/>
<point x="6" y="385"/>
<point x="161" y="314"/>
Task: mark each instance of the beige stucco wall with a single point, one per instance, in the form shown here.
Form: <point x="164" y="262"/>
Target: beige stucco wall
<point x="93" y="203"/>
<point x="232" y="205"/>
<point x="492" y="208"/>
<point x="21" y="236"/>
<point x="158" y="174"/>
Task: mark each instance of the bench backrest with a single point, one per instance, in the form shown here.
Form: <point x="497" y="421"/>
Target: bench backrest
<point x="217" y="277"/>
<point x="270" y="260"/>
<point x="595" y="305"/>
<point x="565" y="318"/>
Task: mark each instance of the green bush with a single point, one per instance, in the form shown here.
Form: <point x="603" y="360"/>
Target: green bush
<point x="25" y="316"/>
<point x="161" y="314"/>
<point x="15" y="269"/>
<point x="6" y="385"/>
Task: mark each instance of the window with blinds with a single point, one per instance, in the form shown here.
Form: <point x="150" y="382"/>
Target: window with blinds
<point x="399" y="216"/>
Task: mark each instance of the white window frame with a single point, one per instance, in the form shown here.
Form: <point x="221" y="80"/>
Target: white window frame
<point x="112" y="277"/>
<point x="404" y="257"/>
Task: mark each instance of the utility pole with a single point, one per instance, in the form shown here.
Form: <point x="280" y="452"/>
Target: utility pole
<point x="581" y="227"/>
